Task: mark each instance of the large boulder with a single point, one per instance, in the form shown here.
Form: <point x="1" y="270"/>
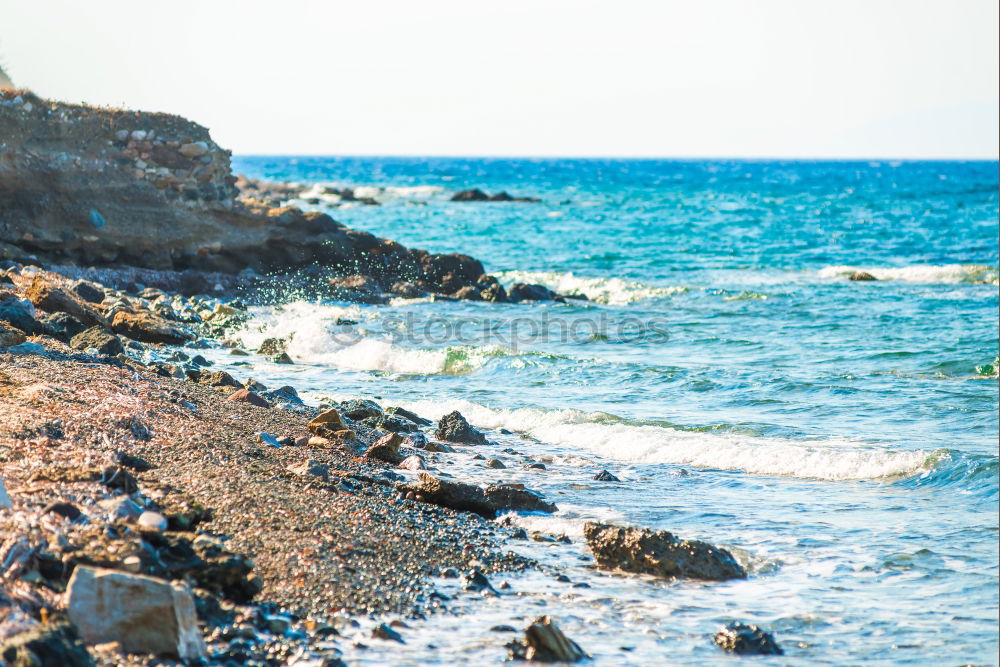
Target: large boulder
<point x="144" y="614"/>
<point x="659" y="553"/>
<point x="453" y="427"/>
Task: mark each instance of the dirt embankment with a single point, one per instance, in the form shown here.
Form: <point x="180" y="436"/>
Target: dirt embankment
<point x="111" y="188"/>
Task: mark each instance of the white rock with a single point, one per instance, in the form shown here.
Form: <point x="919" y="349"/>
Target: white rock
<point x="140" y="164"/>
<point x="121" y="135"/>
<point x="153" y="521"/>
<point x="138" y="135"/>
<point x="28" y="106"/>
<point x="5" y="501"/>
<point x="194" y="149"/>
<point x="144" y="614"/>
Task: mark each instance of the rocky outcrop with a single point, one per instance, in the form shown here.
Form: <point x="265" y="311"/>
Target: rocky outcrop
<point x="453" y="427"/>
<point x="467" y="497"/>
<point x="743" y="639"/>
<point x="545" y="642"/>
<point x="109" y="188"/>
<point x="659" y="553"/>
<point x="144" y="614"/>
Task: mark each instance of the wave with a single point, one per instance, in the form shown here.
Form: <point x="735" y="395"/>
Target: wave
<point x="925" y="273"/>
<point x="612" y="291"/>
<point x="611" y="437"/>
<point x="316" y="335"/>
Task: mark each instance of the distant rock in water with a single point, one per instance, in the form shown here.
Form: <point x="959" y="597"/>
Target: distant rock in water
<point x="476" y="194"/>
<point x="605" y="476"/>
<point x="659" y="553"/>
<point x="453" y="427"/>
<point x="744" y="639"/>
<point x="862" y="275"/>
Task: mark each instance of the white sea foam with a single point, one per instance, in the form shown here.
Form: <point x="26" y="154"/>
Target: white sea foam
<point x="613" y="291"/>
<point x="836" y="459"/>
<point x="316" y="338"/>
<point x="924" y="273"/>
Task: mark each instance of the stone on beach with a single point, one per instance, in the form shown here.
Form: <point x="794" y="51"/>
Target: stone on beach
<point x="50" y="298"/>
<point x="149" y="328"/>
<point x="413" y="462"/>
<point x="659" y="553"/>
<point x="743" y="639"/>
<point x="453" y="427"/>
<point x="386" y="449"/>
<point x="98" y="338"/>
<point x="472" y="498"/>
<point x="247" y="396"/>
<point x="326" y="422"/>
<point x="545" y="642"/>
<point x="10" y="336"/>
<point x="144" y="614"/>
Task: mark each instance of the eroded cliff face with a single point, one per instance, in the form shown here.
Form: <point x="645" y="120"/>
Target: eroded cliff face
<point x="107" y="187"/>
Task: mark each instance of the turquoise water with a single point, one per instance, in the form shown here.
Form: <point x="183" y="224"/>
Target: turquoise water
<point x="841" y="436"/>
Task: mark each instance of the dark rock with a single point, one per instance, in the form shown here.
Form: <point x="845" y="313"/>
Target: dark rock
<point x="407" y="290"/>
<point x="503" y="628"/>
<point x="477" y="582"/>
<point x="9" y="336"/>
<point x="746" y="640"/>
<point x="53" y="299"/>
<point x="283" y="395"/>
<point x="199" y="360"/>
<point x="358" y="409"/>
<point x="282" y="358"/>
<point x="390" y="423"/>
<point x="14" y="314"/>
<point x="470" y="195"/>
<point x="272" y="347"/>
<point x="406" y="414"/>
<point x="605" y="476"/>
<point x="535" y="465"/>
<point x="65" y="510"/>
<point x="386" y="449"/>
<point x="545" y="642"/>
<point x="87" y="291"/>
<point x="63" y="326"/>
<point x="496" y="464"/>
<point x="116" y="477"/>
<point x="501" y="196"/>
<point x="533" y="292"/>
<point x="247" y="396"/>
<point x="505" y="497"/>
<point x="862" y="275"/>
<point x="659" y="553"/>
<point x="383" y="631"/>
<point x="100" y="338"/>
<point x="453" y="427"/>
<point x="471" y="498"/>
<point x="149" y="328"/>
<point x="215" y="379"/>
<point x="51" y="645"/>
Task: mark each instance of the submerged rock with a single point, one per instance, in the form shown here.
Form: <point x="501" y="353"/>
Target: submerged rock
<point x="659" y="553"/>
<point x="745" y="639"/>
<point x="453" y="427"/>
<point x="545" y="642"/>
<point x="144" y="614"/>
<point x="56" y="645"/>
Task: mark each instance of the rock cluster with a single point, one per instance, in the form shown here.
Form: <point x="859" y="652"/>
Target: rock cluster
<point x="659" y="553"/>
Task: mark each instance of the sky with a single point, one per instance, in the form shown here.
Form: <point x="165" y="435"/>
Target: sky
<point x="658" y="78"/>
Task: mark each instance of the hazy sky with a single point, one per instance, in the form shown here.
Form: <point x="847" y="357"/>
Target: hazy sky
<point x="741" y="78"/>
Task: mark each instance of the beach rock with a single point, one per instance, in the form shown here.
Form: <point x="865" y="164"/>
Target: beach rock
<point x="453" y="427"/>
<point x="272" y="347"/>
<point x="214" y="379"/>
<point x="496" y="464"/>
<point x="862" y="275"/>
<point x="386" y="449"/>
<point x="359" y="409"/>
<point x="406" y="414"/>
<point x="507" y="497"/>
<point x="43" y="294"/>
<point x="533" y="292"/>
<point x="434" y="446"/>
<point x="313" y="468"/>
<point x="659" y="553"/>
<point x="50" y="645"/>
<point x="21" y="316"/>
<point x="193" y="149"/>
<point x="63" y="326"/>
<point x="477" y="582"/>
<point x="282" y="358"/>
<point x="389" y="423"/>
<point x="87" y="291"/>
<point x="545" y="642"/>
<point x="407" y="290"/>
<point x="144" y="614"/>
<point x="10" y="336"/>
<point x="383" y="631"/>
<point x="247" y="396"/>
<point x="326" y="422"/>
<point x="470" y="195"/>
<point x="99" y="338"/>
<point x="152" y="521"/>
<point x="149" y="328"/>
<point x="413" y="462"/>
<point x="605" y="476"/>
<point x="744" y="639"/>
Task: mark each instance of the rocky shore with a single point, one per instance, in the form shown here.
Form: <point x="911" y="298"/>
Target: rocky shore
<point x="156" y="511"/>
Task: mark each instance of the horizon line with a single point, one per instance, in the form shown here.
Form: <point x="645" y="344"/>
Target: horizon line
<point x="619" y="157"/>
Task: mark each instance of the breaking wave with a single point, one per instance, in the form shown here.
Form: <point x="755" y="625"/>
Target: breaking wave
<point x="927" y="273"/>
<point x="613" y="291"/>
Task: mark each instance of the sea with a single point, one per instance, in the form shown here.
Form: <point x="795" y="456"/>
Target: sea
<point x="839" y="437"/>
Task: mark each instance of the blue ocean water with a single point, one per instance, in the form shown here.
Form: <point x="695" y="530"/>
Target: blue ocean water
<point x="841" y="436"/>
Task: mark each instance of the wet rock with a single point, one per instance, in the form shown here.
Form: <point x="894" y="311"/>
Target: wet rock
<point x="433" y="446"/>
<point x="534" y="465"/>
<point x="413" y="462"/>
<point x="386" y="449"/>
<point x="406" y="414"/>
<point x="746" y="640"/>
<point x="496" y="464"/>
<point x="282" y="358"/>
<point x="272" y="347"/>
<point x="470" y="195"/>
<point x="21" y="316"/>
<point x="545" y="642"/>
<point x="9" y="336"/>
<point x="659" y="553"/>
<point x="52" y="299"/>
<point x="149" y="328"/>
<point x="359" y="409"/>
<point x="283" y="396"/>
<point x="99" y="338"/>
<point x="605" y="476"/>
<point x="247" y="396"/>
<point x="862" y="275"/>
<point x="55" y="645"/>
<point x="477" y="582"/>
<point x="453" y="427"/>
<point x="383" y="631"/>
<point x="390" y="423"/>
<point x="407" y="290"/>
<point x="144" y="614"/>
<point x="507" y="497"/>
<point x="533" y="292"/>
